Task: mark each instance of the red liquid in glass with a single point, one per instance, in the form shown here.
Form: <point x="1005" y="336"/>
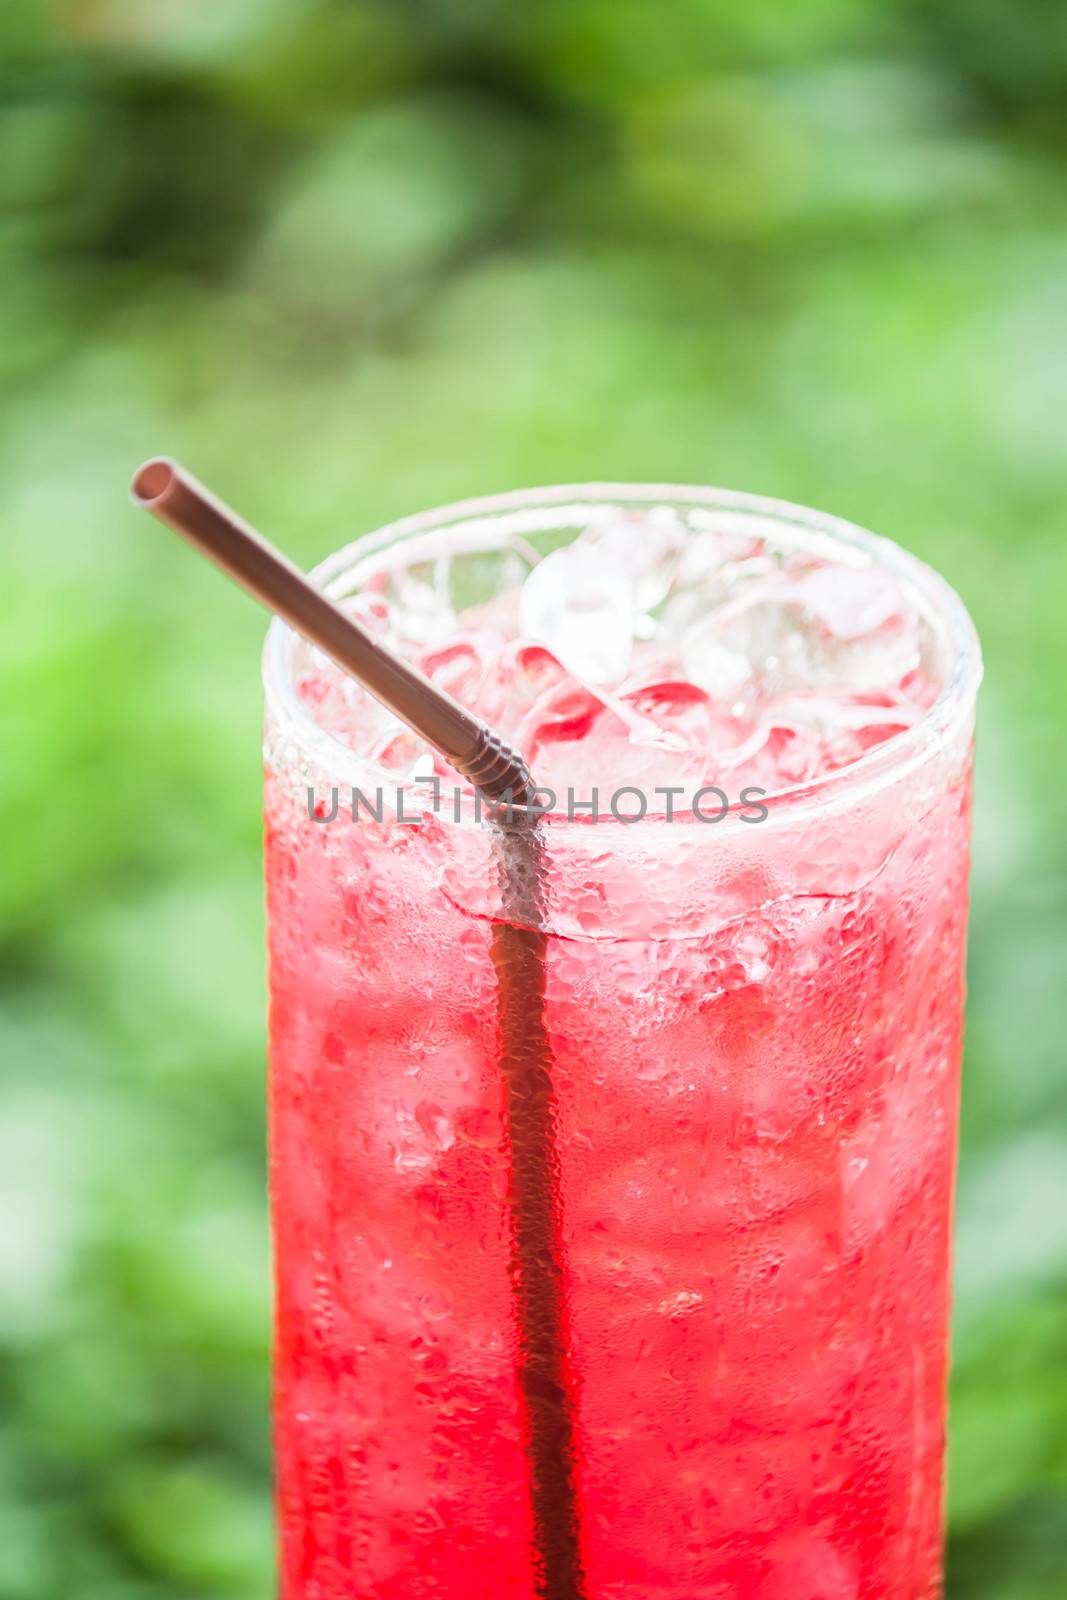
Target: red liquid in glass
<point x="757" y="1132"/>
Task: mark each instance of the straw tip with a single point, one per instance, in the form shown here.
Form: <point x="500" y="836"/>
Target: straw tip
<point x="152" y="480"/>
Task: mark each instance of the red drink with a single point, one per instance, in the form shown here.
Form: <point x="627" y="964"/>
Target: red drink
<point x="755" y="1028"/>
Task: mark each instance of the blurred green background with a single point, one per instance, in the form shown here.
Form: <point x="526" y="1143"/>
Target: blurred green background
<point x="352" y="259"/>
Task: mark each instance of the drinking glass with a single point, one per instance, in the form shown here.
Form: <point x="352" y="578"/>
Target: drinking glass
<point x="755" y="1029"/>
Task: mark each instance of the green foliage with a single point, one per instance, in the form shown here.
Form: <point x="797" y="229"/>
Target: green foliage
<point x="350" y="259"/>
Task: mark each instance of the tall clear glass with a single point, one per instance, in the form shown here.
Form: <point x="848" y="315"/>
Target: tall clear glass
<point x="756" y="1036"/>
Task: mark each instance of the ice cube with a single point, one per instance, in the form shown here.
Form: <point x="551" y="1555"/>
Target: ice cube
<point x="789" y="755"/>
<point x="809" y="734"/>
<point x="679" y="714"/>
<point x="338" y="702"/>
<point x="520" y="673"/>
<point x="710" y="579"/>
<point x="370" y="610"/>
<point x="804" y="1564"/>
<point x="563" y="713"/>
<point x="726" y="674"/>
<point x="850" y="601"/>
<point x="866" y="638"/>
<point x="647" y="545"/>
<point x="578" y="739"/>
<point x="764" y="628"/>
<point x="420" y="602"/>
<point x="460" y="665"/>
<point x="871" y="663"/>
<point x="674" y="707"/>
<point x="825" y="631"/>
<point x="401" y="753"/>
<point x="582" y="608"/>
<point x="435" y="1124"/>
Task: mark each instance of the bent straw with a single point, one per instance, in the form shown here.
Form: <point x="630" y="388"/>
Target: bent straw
<point x="518" y="954"/>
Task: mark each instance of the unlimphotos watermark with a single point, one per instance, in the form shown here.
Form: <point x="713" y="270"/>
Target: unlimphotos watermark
<point x="626" y="804"/>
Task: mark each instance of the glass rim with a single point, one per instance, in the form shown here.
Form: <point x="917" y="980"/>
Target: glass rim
<point x="886" y="762"/>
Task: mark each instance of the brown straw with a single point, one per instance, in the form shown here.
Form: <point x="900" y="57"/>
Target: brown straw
<point x="518" y="953"/>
